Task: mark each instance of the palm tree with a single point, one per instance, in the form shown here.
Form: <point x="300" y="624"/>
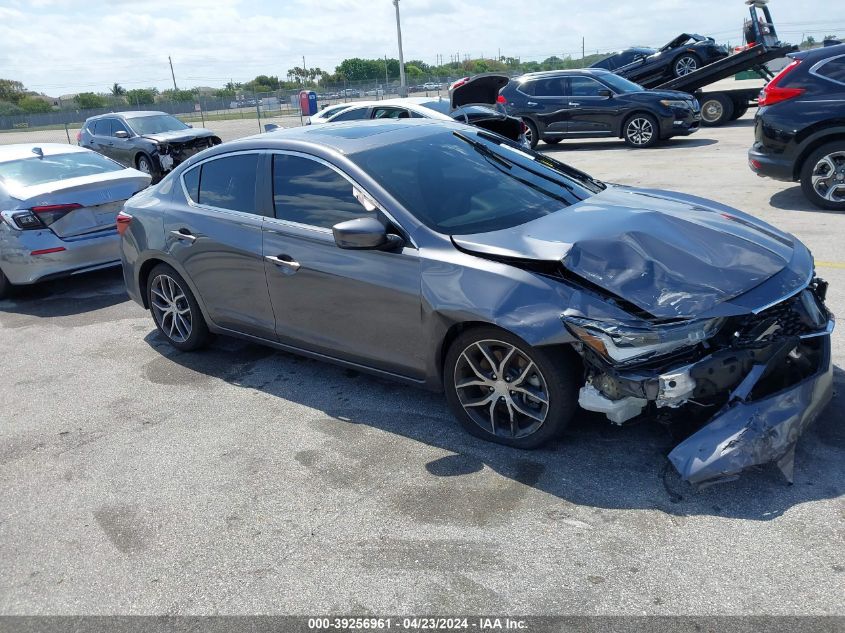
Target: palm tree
<point x="117" y="90"/>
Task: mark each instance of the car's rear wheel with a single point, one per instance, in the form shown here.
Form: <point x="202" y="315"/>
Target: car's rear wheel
<point x="175" y="310"/>
<point x="531" y="134"/>
<point x="685" y="65"/>
<point x="552" y="141"/>
<point x="716" y="110"/>
<point x="823" y="176"/>
<point x="641" y="130"/>
<point x="503" y="390"/>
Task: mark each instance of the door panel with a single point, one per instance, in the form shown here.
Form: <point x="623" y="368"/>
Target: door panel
<point x="547" y="100"/>
<point x="221" y="248"/>
<point x="102" y="140"/>
<point x="590" y="114"/>
<point x="123" y="148"/>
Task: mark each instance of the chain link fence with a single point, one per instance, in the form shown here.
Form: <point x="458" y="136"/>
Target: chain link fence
<point x="243" y="113"/>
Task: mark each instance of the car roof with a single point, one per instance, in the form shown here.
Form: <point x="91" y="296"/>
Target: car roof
<point x="24" y="150"/>
<point x="412" y="103"/>
<point x="557" y="73"/>
<point x="346" y="137"/>
<point x="822" y="52"/>
<point x="130" y="114"/>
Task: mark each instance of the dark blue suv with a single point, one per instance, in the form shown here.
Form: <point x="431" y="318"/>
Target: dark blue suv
<point x="595" y="103"/>
<point x="799" y="130"/>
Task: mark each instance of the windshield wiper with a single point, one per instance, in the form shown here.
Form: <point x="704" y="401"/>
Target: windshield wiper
<point x="485" y="151"/>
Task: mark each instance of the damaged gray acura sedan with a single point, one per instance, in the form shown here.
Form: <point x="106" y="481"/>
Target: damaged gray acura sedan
<point x="449" y="257"/>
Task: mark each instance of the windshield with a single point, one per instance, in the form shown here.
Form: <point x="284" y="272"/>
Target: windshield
<point x="28" y="172"/>
<point x="156" y="124"/>
<point x="620" y="84"/>
<point x="459" y="183"/>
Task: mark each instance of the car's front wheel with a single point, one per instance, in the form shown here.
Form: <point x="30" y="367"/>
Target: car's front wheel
<point x="641" y="130"/>
<point x="144" y="163"/>
<point x="823" y="176"/>
<point x="175" y="310"/>
<point x="503" y="390"/>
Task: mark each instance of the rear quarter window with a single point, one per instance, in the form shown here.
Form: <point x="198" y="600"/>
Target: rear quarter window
<point x="833" y="69"/>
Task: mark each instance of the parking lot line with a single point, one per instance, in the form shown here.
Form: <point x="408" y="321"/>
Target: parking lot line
<point x="830" y="264"/>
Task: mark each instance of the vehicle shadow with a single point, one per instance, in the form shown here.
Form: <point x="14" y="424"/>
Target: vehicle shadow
<point x="617" y="144"/>
<point x="595" y="464"/>
<point x="67" y="296"/>
<point x="793" y="199"/>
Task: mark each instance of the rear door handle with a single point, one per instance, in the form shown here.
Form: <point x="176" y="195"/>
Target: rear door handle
<point x="284" y="263"/>
<point x="531" y="103"/>
<point x="574" y="105"/>
<point x="184" y="235"/>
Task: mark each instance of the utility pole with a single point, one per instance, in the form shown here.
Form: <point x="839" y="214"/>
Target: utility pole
<point x="582" y="52"/>
<point x="402" y="88"/>
<point x="386" y="77"/>
<point x="304" y="72"/>
<point x="172" y="74"/>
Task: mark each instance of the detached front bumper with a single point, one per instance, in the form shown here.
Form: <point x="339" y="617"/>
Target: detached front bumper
<point x="749" y="432"/>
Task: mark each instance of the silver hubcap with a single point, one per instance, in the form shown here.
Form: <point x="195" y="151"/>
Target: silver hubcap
<point x="171" y="308"/>
<point x="829" y="177"/>
<point x="712" y="111"/>
<point x="501" y="389"/>
<point x="639" y="131"/>
<point x="143" y="165"/>
<point x="685" y="66"/>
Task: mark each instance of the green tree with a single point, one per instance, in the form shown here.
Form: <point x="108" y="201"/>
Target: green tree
<point x="11" y="90"/>
<point x="117" y="90"/>
<point x="176" y="95"/>
<point x="89" y="100"/>
<point x="141" y="96"/>
<point x="33" y="105"/>
<point x="9" y="109"/>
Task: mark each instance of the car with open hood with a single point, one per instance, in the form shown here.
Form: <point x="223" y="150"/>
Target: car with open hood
<point x="647" y="66"/>
<point x="472" y="100"/>
<point x="444" y="256"/>
<point x="152" y="142"/>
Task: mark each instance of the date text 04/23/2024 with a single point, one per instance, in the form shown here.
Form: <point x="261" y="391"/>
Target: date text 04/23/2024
<point x="417" y="623"/>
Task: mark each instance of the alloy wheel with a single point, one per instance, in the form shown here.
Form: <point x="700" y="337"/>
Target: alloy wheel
<point x="501" y="389"/>
<point x="144" y="165"/>
<point x="171" y="308"/>
<point x="685" y="65"/>
<point x="828" y="177"/>
<point x="712" y="111"/>
<point x="529" y="135"/>
<point x="639" y="131"/>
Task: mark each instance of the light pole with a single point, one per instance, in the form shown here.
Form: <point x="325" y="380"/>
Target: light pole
<point x="402" y="88"/>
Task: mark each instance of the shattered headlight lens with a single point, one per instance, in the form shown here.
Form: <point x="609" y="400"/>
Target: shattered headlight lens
<point x="619" y="342"/>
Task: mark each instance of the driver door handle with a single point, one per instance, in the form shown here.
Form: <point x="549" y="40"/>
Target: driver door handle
<point x="284" y="263"/>
<point x="531" y="103"/>
<point x="184" y="234"/>
<point x="574" y="105"/>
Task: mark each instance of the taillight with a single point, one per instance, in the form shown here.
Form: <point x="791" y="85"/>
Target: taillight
<point x="49" y="213"/>
<point x="123" y="219"/>
<point x="501" y="99"/>
<point x="79" y="136"/>
<point x="773" y="93"/>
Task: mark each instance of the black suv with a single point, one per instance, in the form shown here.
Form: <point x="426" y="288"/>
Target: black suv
<point x="153" y="142"/>
<point x="595" y="103"/>
<point x="799" y="130"/>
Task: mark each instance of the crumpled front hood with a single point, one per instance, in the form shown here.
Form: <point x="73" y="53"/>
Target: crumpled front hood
<point x="669" y="254"/>
<point x="179" y="136"/>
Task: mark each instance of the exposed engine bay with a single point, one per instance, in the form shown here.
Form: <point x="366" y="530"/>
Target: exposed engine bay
<point x="170" y="154"/>
<point x="696" y="373"/>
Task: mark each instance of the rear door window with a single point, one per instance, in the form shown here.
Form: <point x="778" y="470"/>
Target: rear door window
<point x="228" y="183"/>
<point x="354" y="114"/>
<point x="549" y="87"/>
<point x="390" y="113"/>
<point x="102" y="127"/>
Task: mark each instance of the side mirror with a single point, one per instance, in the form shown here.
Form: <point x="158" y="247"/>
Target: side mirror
<point x="269" y="127"/>
<point x="189" y="125"/>
<point x="364" y="233"/>
<point x="606" y="93"/>
<point x="121" y="134"/>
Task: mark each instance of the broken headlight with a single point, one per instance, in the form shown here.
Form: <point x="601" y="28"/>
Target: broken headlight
<point x="618" y="342"/>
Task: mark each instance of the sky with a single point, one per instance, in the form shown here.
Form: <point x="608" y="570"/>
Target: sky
<point x="66" y="46"/>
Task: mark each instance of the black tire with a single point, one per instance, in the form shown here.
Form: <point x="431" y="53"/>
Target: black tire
<point x="637" y="126"/>
<point x="740" y="108"/>
<point x="835" y="152"/>
<point x="144" y="163"/>
<point x="532" y="133"/>
<point x="685" y="64"/>
<point x="197" y="330"/>
<point x="5" y="285"/>
<point x="552" y="141"/>
<point x="716" y="110"/>
<point x="557" y="374"/>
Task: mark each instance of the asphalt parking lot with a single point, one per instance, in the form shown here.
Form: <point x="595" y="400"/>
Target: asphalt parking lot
<point x="140" y="480"/>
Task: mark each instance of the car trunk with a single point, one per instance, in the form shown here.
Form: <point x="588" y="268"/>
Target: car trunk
<point x="76" y="207"/>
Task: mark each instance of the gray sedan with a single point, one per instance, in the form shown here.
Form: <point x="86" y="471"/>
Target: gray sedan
<point x="58" y="205"/>
<point x="447" y="257"/>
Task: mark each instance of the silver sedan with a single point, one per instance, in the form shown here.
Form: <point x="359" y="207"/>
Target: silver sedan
<point x="58" y="205"/>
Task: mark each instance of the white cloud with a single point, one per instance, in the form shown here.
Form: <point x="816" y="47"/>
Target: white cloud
<point x="60" y="46"/>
